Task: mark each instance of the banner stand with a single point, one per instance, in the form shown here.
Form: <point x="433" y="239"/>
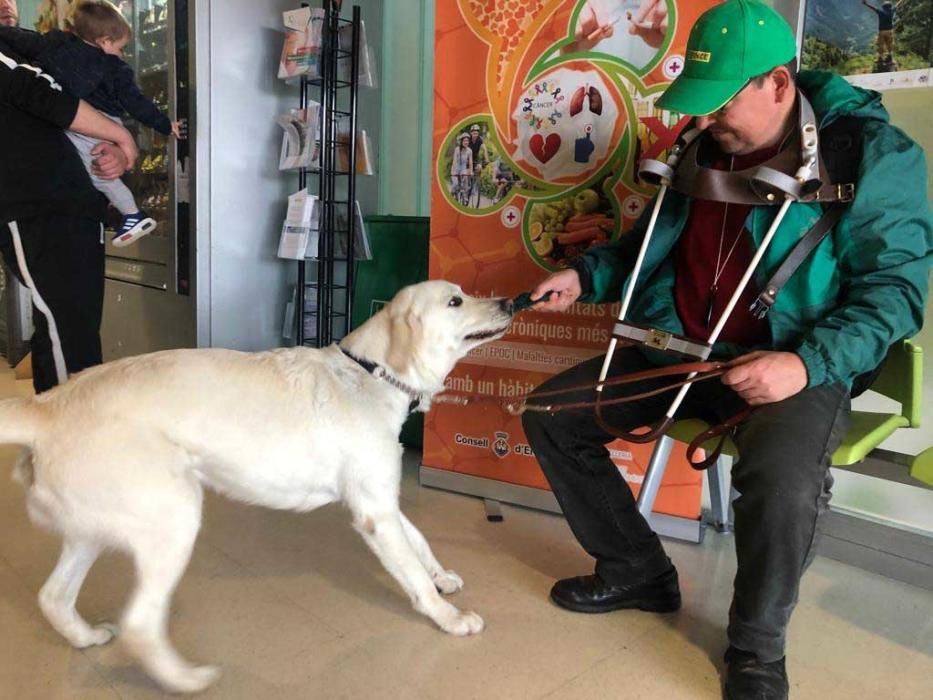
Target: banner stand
<point x="687" y="529"/>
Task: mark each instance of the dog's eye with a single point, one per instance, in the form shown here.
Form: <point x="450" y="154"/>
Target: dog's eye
<point x="455" y="301"/>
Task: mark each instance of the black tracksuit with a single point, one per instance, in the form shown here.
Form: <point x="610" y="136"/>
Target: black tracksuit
<point x="50" y="209"/>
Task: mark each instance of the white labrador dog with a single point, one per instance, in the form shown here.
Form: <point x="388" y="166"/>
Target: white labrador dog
<point x="118" y="455"/>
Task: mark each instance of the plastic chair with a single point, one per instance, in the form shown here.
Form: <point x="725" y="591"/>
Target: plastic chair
<point x="921" y="467"/>
<point x="901" y="379"/>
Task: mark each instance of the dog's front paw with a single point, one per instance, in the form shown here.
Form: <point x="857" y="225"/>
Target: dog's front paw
<point x="464" y="623"/>
<point x="448" y="582"/>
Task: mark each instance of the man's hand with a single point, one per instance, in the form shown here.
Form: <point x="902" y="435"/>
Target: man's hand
<point x="766" y="377"/>
<point x="110" y="161"/>
<point x="564" y="288"/>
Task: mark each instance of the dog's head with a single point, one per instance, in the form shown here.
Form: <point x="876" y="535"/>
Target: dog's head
<point x="426" y="328"/>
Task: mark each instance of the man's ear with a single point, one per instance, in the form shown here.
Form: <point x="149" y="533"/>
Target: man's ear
<point x="784" y="87"/>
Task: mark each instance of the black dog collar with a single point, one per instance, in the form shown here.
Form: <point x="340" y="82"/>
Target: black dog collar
<point x="379" y="372"/>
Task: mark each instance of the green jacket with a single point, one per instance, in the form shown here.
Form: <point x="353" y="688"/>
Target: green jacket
<point x="864" y="288"/>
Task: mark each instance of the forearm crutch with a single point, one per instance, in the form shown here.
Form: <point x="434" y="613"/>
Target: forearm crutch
<point x="657" y="173"/>
<point x="770" y="184"/>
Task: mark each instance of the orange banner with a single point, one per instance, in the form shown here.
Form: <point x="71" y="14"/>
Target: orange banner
<point x="542" y="110"/>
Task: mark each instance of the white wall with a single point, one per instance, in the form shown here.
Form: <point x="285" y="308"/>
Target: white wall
<point x="241" y="194"/>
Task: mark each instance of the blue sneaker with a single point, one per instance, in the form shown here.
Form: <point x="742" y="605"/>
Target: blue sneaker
<point x="134" y="227"/>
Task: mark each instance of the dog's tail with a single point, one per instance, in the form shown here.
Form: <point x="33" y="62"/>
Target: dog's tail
<point x="19" y="422"/>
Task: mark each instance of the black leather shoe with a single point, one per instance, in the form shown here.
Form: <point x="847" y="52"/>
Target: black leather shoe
<point x="747" y="678"/>
<point x="590" y="594"/>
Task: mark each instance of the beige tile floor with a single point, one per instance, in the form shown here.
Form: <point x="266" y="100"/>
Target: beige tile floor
<point x="295" y="606"/>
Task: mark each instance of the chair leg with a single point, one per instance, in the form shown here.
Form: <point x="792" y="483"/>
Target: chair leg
<point x="720" y="494"/>
<point x="653" y="475"/>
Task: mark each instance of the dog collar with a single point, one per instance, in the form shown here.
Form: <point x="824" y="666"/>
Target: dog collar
<point x="380" y="372"/>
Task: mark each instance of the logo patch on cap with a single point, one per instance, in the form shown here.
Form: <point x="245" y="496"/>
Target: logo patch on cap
<point x="701" y="56"/>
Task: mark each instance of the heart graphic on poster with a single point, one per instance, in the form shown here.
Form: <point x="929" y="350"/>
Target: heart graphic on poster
<point x="544" y="148"/>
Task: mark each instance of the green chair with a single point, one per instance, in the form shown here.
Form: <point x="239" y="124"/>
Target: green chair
<point x="900" y="379"/>
<point x="921" y="467"/>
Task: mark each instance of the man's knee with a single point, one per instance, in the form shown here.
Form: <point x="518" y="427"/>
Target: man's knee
<point x="772" y="479"/>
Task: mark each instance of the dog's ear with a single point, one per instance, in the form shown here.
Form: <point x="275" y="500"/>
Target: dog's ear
<point x="401" y="344"/>
<point x="405" y="331"/>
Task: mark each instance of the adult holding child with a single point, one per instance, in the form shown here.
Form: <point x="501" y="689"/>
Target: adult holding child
<point x="51" y="230"/>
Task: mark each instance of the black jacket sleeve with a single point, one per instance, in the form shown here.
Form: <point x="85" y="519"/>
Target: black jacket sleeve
<point x="22" y="42"/>
<point x="137" y="104"/>
<point x="34" y="92"/>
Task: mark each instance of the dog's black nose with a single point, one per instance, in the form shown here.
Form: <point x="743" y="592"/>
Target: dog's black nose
<point x="507" y="305"/>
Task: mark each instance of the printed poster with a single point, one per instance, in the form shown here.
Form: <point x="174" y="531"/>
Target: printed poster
<point x="876" y="44"/>
<point x="542" y="111"/>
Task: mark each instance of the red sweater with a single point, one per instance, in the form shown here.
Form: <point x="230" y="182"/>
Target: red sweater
<point x="695" y="266"/>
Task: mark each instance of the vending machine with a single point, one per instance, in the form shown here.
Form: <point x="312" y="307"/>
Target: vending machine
<point x="149" y="303"/>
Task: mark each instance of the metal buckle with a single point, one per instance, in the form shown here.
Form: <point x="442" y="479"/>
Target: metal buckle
<point x="845" y="192"/>
<point x="657" y="339"/>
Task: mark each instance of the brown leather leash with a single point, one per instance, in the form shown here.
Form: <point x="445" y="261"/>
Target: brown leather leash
<point x="704" y="372"/>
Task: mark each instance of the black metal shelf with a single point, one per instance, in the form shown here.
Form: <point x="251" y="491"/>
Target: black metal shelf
<point x="332" y="274"/>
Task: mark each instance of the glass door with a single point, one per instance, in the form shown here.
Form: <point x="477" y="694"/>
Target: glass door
<point x="158" y="55"/>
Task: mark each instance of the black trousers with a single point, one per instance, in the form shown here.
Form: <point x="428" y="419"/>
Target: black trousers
<point x="782" y="477"/>
<point x="64" y="261"/>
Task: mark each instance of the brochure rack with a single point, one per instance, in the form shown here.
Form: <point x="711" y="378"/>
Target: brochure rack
<point x="323" y="308"/>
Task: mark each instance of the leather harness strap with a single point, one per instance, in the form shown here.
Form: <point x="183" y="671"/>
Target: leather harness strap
<point x="695" y="371"/>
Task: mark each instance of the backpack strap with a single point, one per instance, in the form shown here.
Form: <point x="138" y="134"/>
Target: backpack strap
<point x="841" y="155"/>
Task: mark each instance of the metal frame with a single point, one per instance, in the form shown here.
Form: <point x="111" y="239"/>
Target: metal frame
<point x="720" y="491"/>
<point x="338" y="98"/>
<point x="686" y="529"/>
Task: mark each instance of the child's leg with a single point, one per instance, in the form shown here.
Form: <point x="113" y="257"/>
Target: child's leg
<point x="114" y="190"/>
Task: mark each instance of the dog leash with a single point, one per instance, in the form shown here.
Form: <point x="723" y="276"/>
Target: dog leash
<point x="695" y="371"/>
<point x="704" y="371"/>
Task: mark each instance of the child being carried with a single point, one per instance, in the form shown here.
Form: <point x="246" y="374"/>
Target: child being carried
<point x="87" y="61"/>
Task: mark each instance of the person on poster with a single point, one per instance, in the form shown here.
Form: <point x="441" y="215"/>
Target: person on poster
<point x="643" y="25"/>
<point x="885" y="39"/>
<point x="863" y="290"/>
<point x="461" y="168"/>
<point x="480" y="152"/>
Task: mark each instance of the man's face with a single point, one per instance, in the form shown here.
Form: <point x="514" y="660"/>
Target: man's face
<point x="474" y="135"/>
<point x="749" y="120"/>
<point x="9" y="17"/>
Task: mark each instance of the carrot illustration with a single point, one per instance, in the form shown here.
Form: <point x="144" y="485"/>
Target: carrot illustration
<point x="579" y="236"/>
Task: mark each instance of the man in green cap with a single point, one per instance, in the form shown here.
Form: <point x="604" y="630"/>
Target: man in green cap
<point x="861" y="290"/>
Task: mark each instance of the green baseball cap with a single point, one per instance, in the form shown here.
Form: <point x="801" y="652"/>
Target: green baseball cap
<point x="729" y="45"/>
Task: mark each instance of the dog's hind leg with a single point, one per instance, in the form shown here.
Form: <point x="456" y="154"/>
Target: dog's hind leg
<point x="59" y="594"/>
<point x="445" y="581"/>
<point x="386" y="536"/>
<point x="161" y="557"/>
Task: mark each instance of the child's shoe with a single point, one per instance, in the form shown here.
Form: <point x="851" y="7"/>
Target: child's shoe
<point x="134" y="227"/>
